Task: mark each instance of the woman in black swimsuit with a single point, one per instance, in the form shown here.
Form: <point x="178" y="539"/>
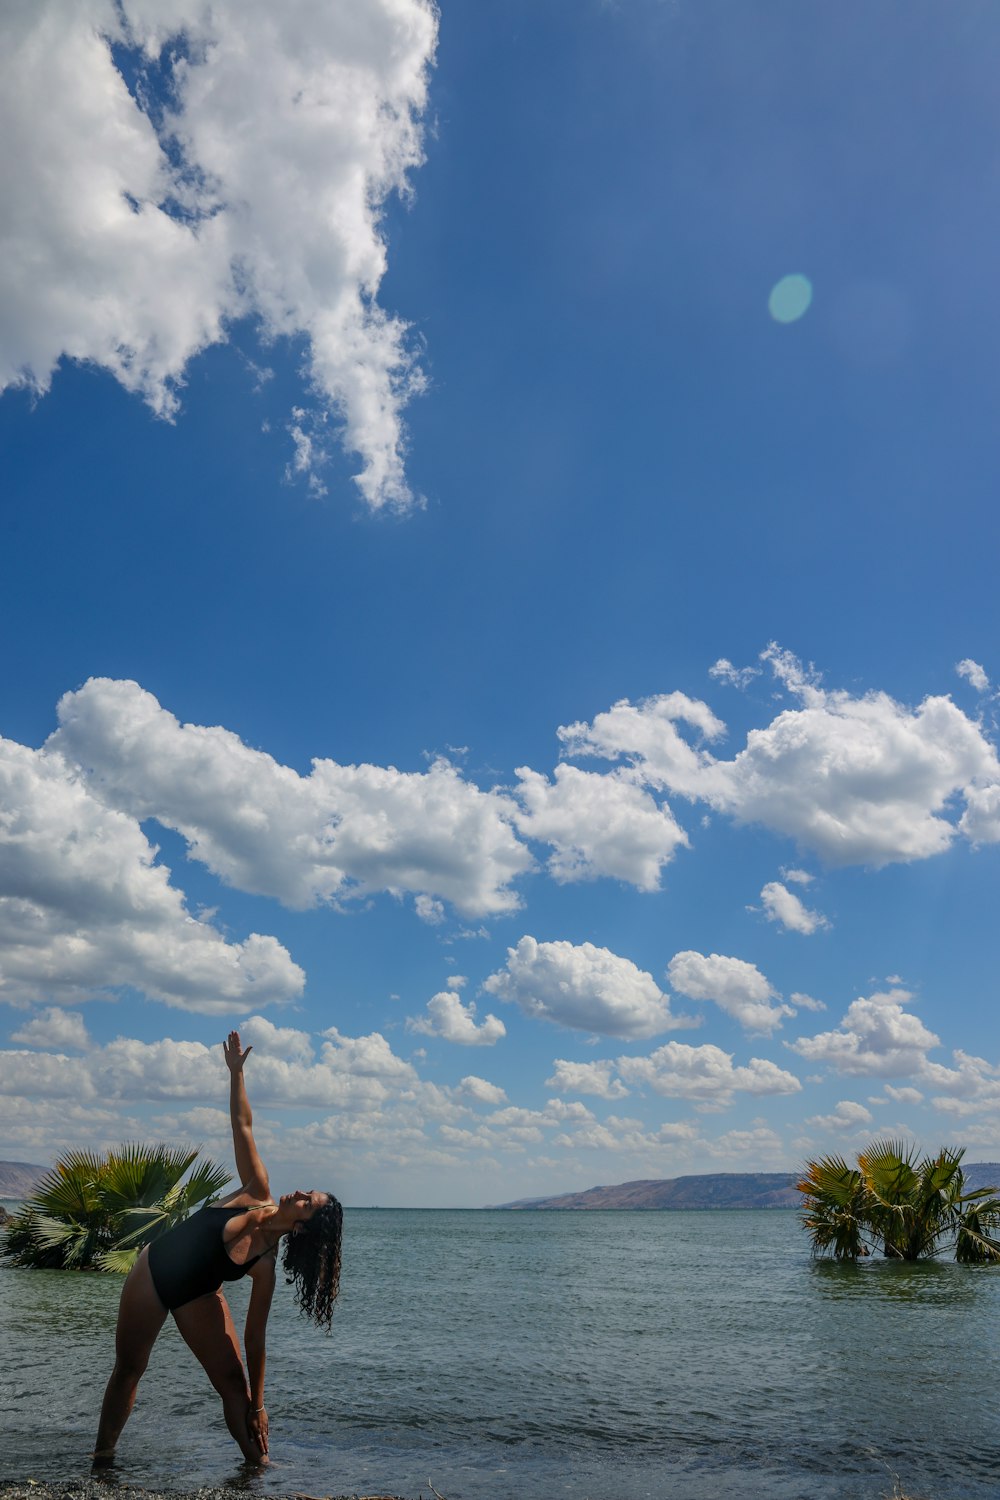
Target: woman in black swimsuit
<point x="182" y="1272"/>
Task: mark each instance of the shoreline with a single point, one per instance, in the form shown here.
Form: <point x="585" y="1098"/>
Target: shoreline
<point x="112" y="1489"/>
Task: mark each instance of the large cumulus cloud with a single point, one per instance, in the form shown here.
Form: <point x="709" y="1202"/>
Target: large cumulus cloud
<point x="131" y="233"/>
<point x="857" y="779"/>
<point x="598" y="825"/>
<point x="877" y="1037"/>
<point x="264" y="828"/>
<point x="584" y="987"/>
<point x="705" y="1075"/>
<point x="83" y="906"/>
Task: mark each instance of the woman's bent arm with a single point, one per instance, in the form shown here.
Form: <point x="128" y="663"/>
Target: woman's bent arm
<point x="252" y="1172"/>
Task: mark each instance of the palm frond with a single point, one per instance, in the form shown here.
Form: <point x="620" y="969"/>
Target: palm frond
<point x="890" y="1172"/>
<point x="119" y="1262"/>
<point x="100" y="1210"/>
<point x="207" y="1179"/>
<point x="137" y="1174"/>
<point x="68" y="1241"/>
<point x="973" y="1248"/>
<point x="830" y="1178"/>
<point x="70" y="1187"/>
<point x="835" y="1204"/>
<point x="138" y="1226"/>
<point x="897" y="1201"/>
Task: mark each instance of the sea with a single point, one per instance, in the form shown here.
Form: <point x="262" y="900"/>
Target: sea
<point x="481" y="1355"/>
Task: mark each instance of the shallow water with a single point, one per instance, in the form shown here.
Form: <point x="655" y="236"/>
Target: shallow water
<point x="612" y="1355"/>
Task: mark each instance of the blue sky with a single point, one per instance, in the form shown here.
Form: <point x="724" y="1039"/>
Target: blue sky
<point x="511" y="265"/>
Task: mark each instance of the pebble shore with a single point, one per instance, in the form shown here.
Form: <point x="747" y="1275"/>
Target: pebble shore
<point x="102" y="1489"/>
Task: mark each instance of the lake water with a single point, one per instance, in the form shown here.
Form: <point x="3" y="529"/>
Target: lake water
<point x="616" y="1356"/>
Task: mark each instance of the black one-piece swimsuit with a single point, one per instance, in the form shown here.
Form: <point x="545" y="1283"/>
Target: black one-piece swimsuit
<point x="191" y="1259"/>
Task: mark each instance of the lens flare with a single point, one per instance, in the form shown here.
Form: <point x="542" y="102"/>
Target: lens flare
<point x="790" y="298"/>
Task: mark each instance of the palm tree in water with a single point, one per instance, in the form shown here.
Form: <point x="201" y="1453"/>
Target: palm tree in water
<point x="900" y="1205"/>
<point x="98" y="1211"/>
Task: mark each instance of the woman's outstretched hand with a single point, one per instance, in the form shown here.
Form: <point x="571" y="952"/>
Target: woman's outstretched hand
<point x="236" y="1055"/>
<point x="257" y="1424"/>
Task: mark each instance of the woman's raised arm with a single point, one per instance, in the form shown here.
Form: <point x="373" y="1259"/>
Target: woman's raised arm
<point x="252" y="1172"/>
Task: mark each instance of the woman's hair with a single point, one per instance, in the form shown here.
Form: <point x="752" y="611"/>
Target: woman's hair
<point x="312" y="1261"/>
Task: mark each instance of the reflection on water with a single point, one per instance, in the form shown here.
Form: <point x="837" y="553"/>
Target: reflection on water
<point x="623" y="1355"/>
<point x="927" y="1283"/>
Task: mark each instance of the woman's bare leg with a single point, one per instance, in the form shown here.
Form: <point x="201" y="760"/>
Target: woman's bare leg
<point x="141" y="1315"/>
<point x="207" y="1327"/>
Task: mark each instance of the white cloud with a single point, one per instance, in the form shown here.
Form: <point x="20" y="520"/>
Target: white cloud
<point x="482" y="1090"/>
<point x="981" y="820"/>
<point x="860" y="780"/>
<point x="847" y="1116"/>
<point x="46" y="1075"/>
<point x="351" y="1074"/>
<point x="782" y="905"/>
<point x="36" y="1128"/>
<point x="973" y="673"/>
<point x="761" y="1145"/>
<point x="877" y="1037"/>
<point x="364" y="1056"/>
<point x="277" y="1041"/>
<point x="971" y="1086"/>
<point x="586" y="1078"/>
<point x="84" y="908"/>
<point x="309" y="455"/>
<point x="737" y="987"/>
<point x="804" y="1002"/>
<point x="204" y="1123"/>
<point x="624" y="1135"/>
<point x="127" y="1068"/>
<point x="704" y="1074"/>
<point x="648" y="737"/>
<point x="131" y="244"/>
<point x="53" y="1028"/>
<point x="584" y="987"/>
<point x="514" y="1128"/>
<point x="341" y="831"/>
<point x="798" y="877"/>
<point x="598" y="825"/>
<point x="454" y="1019"/>
<point x="429" y="910"/>
<point x="737" y="677"/>
<point x="469" y="935"/>
<point x="904" y="1095"/>
<point x="794" y="676"/>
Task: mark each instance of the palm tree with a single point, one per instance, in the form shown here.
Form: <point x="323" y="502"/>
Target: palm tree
<point x="908" y="1208"/>
<point x="99" y="1211"/>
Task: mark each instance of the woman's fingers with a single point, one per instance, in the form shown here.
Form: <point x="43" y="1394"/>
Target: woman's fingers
<point x="257" y="1424"/>
<point x="235" y="1055"/>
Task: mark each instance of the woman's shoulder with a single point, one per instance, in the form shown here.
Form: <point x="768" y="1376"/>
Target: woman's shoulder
<point x="243" y="1197"/>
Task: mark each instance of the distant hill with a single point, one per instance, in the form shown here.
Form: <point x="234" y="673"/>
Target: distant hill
<point x="713" y="1190"/>
<point x="19" y="1178"/>
<point x="717" y="1190"/>
<point x="982" y="1174"/>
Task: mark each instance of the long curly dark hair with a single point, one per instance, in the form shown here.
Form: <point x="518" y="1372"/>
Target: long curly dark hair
<point x="312" y="1262"/>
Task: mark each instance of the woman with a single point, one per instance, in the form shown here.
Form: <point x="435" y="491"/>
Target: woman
<point x="182" y="1272"/>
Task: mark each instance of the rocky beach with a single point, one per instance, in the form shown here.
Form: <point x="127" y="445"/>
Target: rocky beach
<point x="111" y="1489"/>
